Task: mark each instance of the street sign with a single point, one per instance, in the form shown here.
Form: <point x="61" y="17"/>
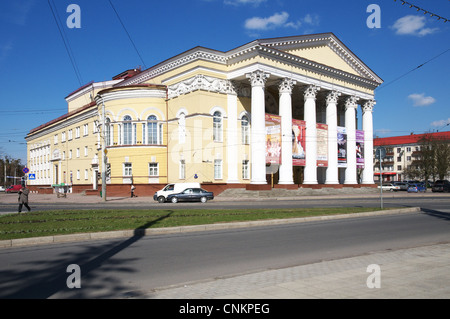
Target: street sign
<point x="31" y="176"/>
<point x="25" y="170"/>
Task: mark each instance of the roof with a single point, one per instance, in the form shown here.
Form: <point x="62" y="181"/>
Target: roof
<point x="409" y="139"/>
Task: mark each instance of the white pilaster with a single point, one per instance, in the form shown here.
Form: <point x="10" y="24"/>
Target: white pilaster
<point x="350" y="125"/>
<point x="232" y="140"/>
<point x="332" y="176"/>
<point x="286" y="170"/>
<point x="310" y="176"/>
<point x="258" y="129"/>
<point x="367" y="177"/>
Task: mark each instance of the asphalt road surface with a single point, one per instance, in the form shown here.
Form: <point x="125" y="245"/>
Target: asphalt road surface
<point x="133" y="267"/>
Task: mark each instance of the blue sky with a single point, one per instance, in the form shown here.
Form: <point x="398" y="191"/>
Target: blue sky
<point x="37" y="73"/>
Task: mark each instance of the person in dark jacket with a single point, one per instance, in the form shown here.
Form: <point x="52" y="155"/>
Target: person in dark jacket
<point x="23" y="198"/>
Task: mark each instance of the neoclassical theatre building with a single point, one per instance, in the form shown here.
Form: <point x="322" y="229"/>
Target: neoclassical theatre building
<point x="279" y="112"/>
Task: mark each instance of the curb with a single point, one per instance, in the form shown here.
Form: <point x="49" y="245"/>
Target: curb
<point x="58" y="239"/>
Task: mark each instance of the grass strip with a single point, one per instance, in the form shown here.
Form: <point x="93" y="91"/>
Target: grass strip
<point x="59" y="222"/>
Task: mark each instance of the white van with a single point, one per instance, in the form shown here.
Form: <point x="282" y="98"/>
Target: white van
<point x="175" y="188"/>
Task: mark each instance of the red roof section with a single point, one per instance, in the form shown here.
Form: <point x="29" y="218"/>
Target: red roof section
<point x="409" y="139"/>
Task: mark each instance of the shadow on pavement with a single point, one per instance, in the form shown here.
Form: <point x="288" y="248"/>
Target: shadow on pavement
<point x="45" y="278"/>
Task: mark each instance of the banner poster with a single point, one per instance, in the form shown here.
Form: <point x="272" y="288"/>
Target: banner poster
<point x="298" y="142"/>
<point x="322" y="145"/>
<point x="342" y="146"/>
<point x="273" y="139"/>
<point x="360" y="149"/>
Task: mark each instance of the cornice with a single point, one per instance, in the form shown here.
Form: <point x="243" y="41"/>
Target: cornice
<point x="272" y="49"/>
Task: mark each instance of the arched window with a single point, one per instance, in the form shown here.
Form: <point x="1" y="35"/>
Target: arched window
<point x="245" y="129"/>
<point x="127" y="130"/>
<point x="217" y="126"/>
<point x="108" y="132"/>
<point x="182" y="128"/>
<point x="152" y="130"/>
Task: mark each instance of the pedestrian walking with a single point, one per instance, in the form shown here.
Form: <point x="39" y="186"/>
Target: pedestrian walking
<point x="23" y="198"/>
<point x="132" y="191"/>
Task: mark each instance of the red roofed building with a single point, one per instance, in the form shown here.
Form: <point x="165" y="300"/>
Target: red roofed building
<point x="401" y="152"/>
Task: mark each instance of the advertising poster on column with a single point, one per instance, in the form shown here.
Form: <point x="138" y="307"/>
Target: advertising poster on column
<point x="298" y="142"/>
<point x="322" y="145"/>
<point x="360" y="149"/>
<point x="273" y="139"/>
<point x="342" y="146"/>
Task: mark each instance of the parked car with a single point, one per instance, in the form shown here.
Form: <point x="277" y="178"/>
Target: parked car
<point x="403" y="185"/>
<point x="161" y="195"/>
<point x="191" y="195"/>
<point x="2" y="188"/>
<point x="13" y="189"/>
<point x="416" y="188"/>
<point x="441" y="186"/>
<point x="390" y="187"/>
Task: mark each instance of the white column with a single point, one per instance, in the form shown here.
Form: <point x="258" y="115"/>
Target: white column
<point x="286" y="170"/>
<point x="232" y="140"/>
<point x="367" y="177"/>
<point x="350" y="125"/>
<point x="258" y="130"/>
<point x="332" y="176"/>
<point x="310" y="176"/>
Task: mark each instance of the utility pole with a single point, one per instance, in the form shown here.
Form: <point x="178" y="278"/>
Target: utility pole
<point x="104" y="158"/>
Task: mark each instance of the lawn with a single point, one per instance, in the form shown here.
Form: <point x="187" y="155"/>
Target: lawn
<point x="49" y="223"/>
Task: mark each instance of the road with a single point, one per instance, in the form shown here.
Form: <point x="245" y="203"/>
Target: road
<point x="134" y="267"/>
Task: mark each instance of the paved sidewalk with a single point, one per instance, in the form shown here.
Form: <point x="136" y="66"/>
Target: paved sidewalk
<point x="422" y="273"/>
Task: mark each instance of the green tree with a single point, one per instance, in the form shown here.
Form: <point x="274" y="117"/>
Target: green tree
<point x="10" y="167"/>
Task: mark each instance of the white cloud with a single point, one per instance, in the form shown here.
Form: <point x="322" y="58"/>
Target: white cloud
<point x="257" y="23"/>
<point x="421" y="99"/>
<point x="280" y="20"/>
<point x="243" y="2"/>
<point x="412" y="25"/>
<point x="441" y="123"/>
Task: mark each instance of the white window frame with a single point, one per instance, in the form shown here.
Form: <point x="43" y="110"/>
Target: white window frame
<point x="127" y="169"/>
<point x="153" y="169"/>
<point x="245" y="169"/>
<point x="245" y="130"/>
<point x="218" y="127"/>
<point x="218" y="169"/>
<point x="182" y="169"/>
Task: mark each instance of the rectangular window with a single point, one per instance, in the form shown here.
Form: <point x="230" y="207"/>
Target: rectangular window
<point x="63" y="136"/>
<point x="399" y="149"/>
<point x="85" y="151"/>
<point x="86" y="174"/>
<point x="78" y="152"/>
<point x="408" y="149"/>
<point x="56" y="139"/>
<point x="217" y="169"/>
<point x="78" y="174"/>
<point x="182" y="169"/>
<point x="245" y="171"/>
<point x="70" y="154"/>
<point x="85" y="129"/>
<point x="77" y="132"/>
<point x="399" y="167"/>
<point x="153" y="169"/>
<point x="127" y="169"/>
<point x="70" y="135"/>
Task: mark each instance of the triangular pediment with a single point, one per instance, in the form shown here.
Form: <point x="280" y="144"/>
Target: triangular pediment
<point x="325" y="49"/>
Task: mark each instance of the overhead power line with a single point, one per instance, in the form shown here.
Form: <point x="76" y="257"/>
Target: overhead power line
<point x="424" y="10"/>
<point x="417" y="67"/>
<point x="128" y="34"/>
<point x="66" y="43"/>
